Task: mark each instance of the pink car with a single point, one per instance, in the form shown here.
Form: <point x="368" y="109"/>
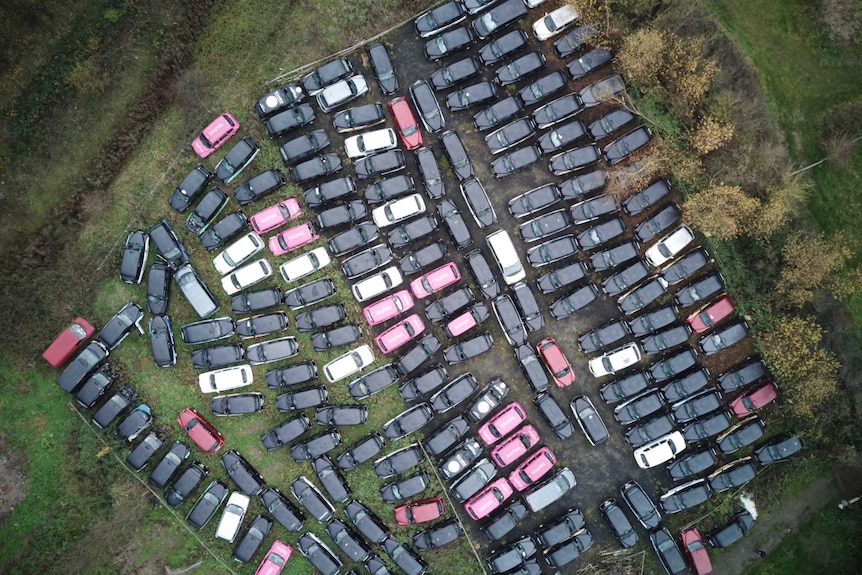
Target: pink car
<point x="292" y="238"/>
<point x="275" y="216"/>
<point x="498" y="426"/>
<point x="474" y="315"/>
<point x="402" y="332"/>
<point x="489" y="499"/>
<point x="754" y="400"/>
<point x="388" y="307"/>
<point x="513" y="447"/>
<point x="534" y="468"/>
<point x="275" y="560"/>
<point x="435" y="280"/>
<point x="709" y="315"/>
<point x="215" y="135"/>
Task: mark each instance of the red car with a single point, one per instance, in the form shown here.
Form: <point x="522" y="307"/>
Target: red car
<point x="754" y="400"/>
<point x="695" y="550"/>
<point x="70" y="341"/>
<point x="200" y="430"/>
<point x="420" y="511"/>
<point x="709" y="315"/>
<point x="557" y="362"/>
<point x="405" y="121"/>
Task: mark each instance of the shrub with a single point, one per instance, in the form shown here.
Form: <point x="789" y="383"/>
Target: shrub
<point x="810" y="262"/>
<point x="721" y="211"/>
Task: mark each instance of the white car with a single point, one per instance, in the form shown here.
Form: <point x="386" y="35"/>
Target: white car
<point x="669" y="246"/>
<point x="370" y="143"/>
<point x="555" y="22"/>
<point x="232" y="516"/>
<point x="304" y="265"/>
<point x="613" y="361"/>
<point x="238" y="253"/>
<point x="398" y="210"/>
<point x="225" y="379"/>
<point x="660" y="451"/>
<point x="351" y="362"/>
<point x="506" y="255"/>
<point x="246" y="276"/>
<point x="533" y="3"/>
<point x="341" y="92"/>
<point x="377" y="284"/>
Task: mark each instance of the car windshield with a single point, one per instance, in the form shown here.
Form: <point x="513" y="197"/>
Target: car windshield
<point x="441" y="44"/>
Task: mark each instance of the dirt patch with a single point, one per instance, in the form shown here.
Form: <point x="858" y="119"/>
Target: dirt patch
<point x="13" y="487"/>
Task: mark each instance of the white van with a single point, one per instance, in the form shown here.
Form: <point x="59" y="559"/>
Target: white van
<point x="507" y="258"/>
<point x="351" y="362"/>
<point x="225" y="379"/>
<point x="304" y="265"/>
<point x="237" y="253"/>
<point x="370" y="143"/>
<point x="232" y="516"/>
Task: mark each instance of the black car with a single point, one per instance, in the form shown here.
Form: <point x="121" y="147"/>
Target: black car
<point x="449" y="304"/>
<point x="447" y="436"/>
<point x="417" y="260"/>
<point x="282" y="510"/>
<point x="309" y="293"/>
<point x="205" y="507"/>
<point x="668" y="552"/>
<point x="185" y="484"/>
<point x="286" y="432"/>
<point x="426" y="102"/>
<point x="778" y="449"/>
<point x="691" y="464"/>
<point x="653" y="321"/>
<point x="566" y="552"/>
<point x="614" y="257"/>
<point x="115" y="406"/>
<point x="337" y="415"/>
<point x="510" y="135"/>
<point x="610" y="122"/>
<point x="584" y="184"/>
<point x="497" y="113"/>
<point x="554" y="415"/>
<point x="319" y="555"/>
<point x="741" y="435"/>
<point x="533" y="367"/>
<point x="625" y="387"/>
<point x="438" y="536"/>
<point x="642" y="296"/>
<point x="354" y="237"/>
<point x="541" y="89"/>
<point x="192" y="185"/>
<point x="315" y="446"/>
<point x="513" y="555"/>
<point x="259" y="186"/>
<point x="561" y="136"/>
<point x="303" y="147"/>
<point x="472" y="95"/>
<point x="316" y="167"/>
<point x="455" y="73"/>
<point x="482" y="273"/>
<point x="373" y="382"/>
<point x="336" y="337"/>
<point x="253" y="538"/>
<point x="593" y="208"/>
<point x="135" y="257"/>
<point x="641" y="505"/>
<point x="573" y="40"/>
<point x="519" y="68"/>
<point x="700" y="290"/>
<point x="499" y="17"/>
<point x="503" y="46"/>
<point x="502" y="523"/>
<point x="348" y="542"/>
<point x="685" y="496"/>
<point x="366" y="261"/>
<point x="404" y="558"/>
<point x="278" y="100"/>
<point x="263" y="324"/>
<point x="749" y="371"/>
<point x="734" y="530"/>
<point x="454" y="393"/>
<point x="246" y="477"/>
<point x="144" y="451"/>
<point x="686" y="266"/>
<point x="589" y="419"/>
<point x="330" y="191"/>
<point x="436" y="20"/>
<point x="237" y="404"/>
<point x="619" y="523"/>
<point x="559" y="278"/>
<point x="121" y="325"/>
<point x="448" y="43"/>
<point x="303" y="399"/>
<point x="459" y="161"/>
<point x="604" y="89"/>
<point x="515" y="161"/>
<point x="290" y="119"/>
<point x="312" y="499"/>
<point x="218" y="356"/>
<point x="325" y="75"/>
<point x="380" y="164"/>
<point x="399" y="461"/>
<point x="423" y="384"/>
<point x="646" y="198"/>
<point x="253" y="301"/>
<point x="371" y="526"/>
<point x="487" y="400"/>
<point x="359" y="118"/>
<point x="408" y="421"/>
<point x="658" y="223"/>
<point x="666" y="340"/>
<point x="482" y="472"/>
<point x="320" y="317"/>
<point x="396" y="491"/>
<point x="534" y="200"/>
<point x="603" y="336"/>
<point x="364" y="450"/>
<point x="528" y="306"/>
<point x="389" y="189"/>
<point x="588" y="62"/>
<point x="552" y="251"/>
<point x="96" y="386"/>
<point x="383" y="69"/>
<point x="510" y="320"/>
<point x="158" y="288"/>
<point x="567" y="305"/>
<point x="451" y="217"/>
<point x="224" y="230"/>
<point x="162" y="341"/>
<point x="650" y="430"/>
<point x="418" y="354"/>
<point x="331" y="479"/>
<point x="623" y="147"/>
<point x="686" y="385"/>
<point x="545" y="225"/>
<point x="673" y="365"/>
<point x="429" y="170"/>
<point x="557" y="110"/>
<point x="574" y="159"/>
<point x="707" y="426"/>
<point x="697" y="405"/>
<point x="560" y="528"/>
<point x="461" y="457"/>
<point x="724" y="338"/>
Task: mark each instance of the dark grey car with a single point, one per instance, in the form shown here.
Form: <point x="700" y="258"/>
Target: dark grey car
<point x="561" y="136"/>
<point x="654" y="320"/>
<point x="603" y="336"/>
<point x="288" y="120"/>
<point x="353" y="238"/>
<point x="429" y="170"/>
<point x="559" y="278"/>
<point x="419" y="259"/>
<point x="610" y="122"/>
<point x="567" y="305"/>
<point x="600" y="234"/>
<point x="218" y="356"/>
<point x="700" y="290"/>
<point x="502" y="523"/>
<point x="673" y="366"/>
<point x="650" y="430"/>
<point x="468" y="348"/>
<point x="408" y="421"/>
<point x="455" y="73"/>
<point x="413" y="230"/>
<point x="312" y="499"/>
<point x="454" y="393"/>
<point x="638" y="407"/>
<point x="534" y="200"/>
<point x="286" y="432"/>
<point x="593" y="208"/>
<point x="619" y="523"/>
<point x="656" y="224"/>
<point x="515" y="161"/>
<point x="327" y="192"/>
<point x="642" y="296"/>
<point x="336" y="337"/>
<point x="533" y="367"/>
<point x="418" y="354"/>
<point x="302" y="399"/>
<point x="554" y="415"/>
<point x="641" y="505"/>
<point x="482" y="273"/>
<point x="472" y="95"/>
<point x="666" y="340"/>
<point x="427" y="105"/>
<point x="497" y="113"/>
<point x="315" y="446"/>
<point x="366" y="261"/>
<point x="588" y="62"/>
<point x="364" y="450"/>
<point x="256" y="300"/>
<point x="626" y="278"/>
<point x="396" y="491"/>
<point x="625" y="387"/>
<point x="371" y="526"/>
<point x="615" y="256"/>
<point x="309" y="293"/>
<point x="449" y="304"/>
<point x="399" y="461"/>
<point x="557" y="110"/>
<point x="552" y="250"/>
<point x="451" y="217"/>
<point x="482" y="472"/>
<point x="691" y="464"/>
<point x="359" y="117"/>
<point x="646" y="198"/>
<point x="445" y="437"/>
<point x="686" y="385"/>
<point x="519" y="68"/>
<point x="707" y="426"/>
<point x="320" y="317"/>
<point x="389" y="189"/>
<point x="503" y="46"/>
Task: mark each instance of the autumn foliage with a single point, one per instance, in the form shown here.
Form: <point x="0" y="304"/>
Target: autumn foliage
<point x="722" y="212"/>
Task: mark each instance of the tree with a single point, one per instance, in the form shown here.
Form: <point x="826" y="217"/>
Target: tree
<point x="642" y="56"/>
<point x="784" y="201"/>
<point x="711" y="134"/>
<point x="810" y="262"/>
<point x="721" y="211"/>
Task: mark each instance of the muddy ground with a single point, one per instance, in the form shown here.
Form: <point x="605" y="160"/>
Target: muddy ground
<point x="13" y="488"/>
